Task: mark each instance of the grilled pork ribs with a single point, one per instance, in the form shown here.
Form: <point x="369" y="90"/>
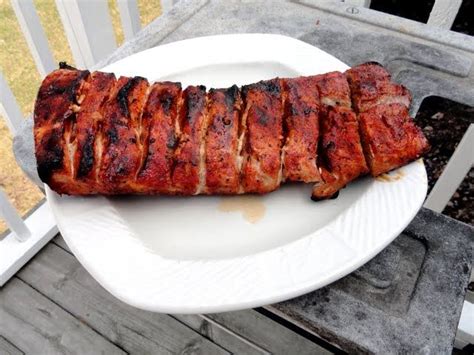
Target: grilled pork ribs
<point x="95" y="134"/>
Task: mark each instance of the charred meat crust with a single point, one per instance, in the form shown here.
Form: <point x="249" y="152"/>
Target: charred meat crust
<point x="222" y="139"/>
<point x="52" y="158"/>
<point x="160" y="138"/>
<point x="322" y="198"/>
<point x="264" y="136"/>
<point x="390" y="137"/>
<point x="64" y="65"/>
<point x="122" y="151"/>
<point x="89" y="122"/>
<point x="52" y="115"/>
<point x="98" y="135"/>
<point x="301" y="129"/>
<point x="341" y="157"/>
<point x="185" y="172"/>
<point x="123" y="93"/>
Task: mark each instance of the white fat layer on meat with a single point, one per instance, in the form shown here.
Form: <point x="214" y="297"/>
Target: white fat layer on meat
<point x="71" y="149"/>
<point x="267" y="180"/>
<point x="98" y="149"/>
<point x="386" y="100"/>
<point x="69" y="134"/>
<point x="177" y="130"/>
<point x="240" y="153"/>
<point x="202" y="151"/>
<point x="335" y="102"/>
<point x="99" y="137"/>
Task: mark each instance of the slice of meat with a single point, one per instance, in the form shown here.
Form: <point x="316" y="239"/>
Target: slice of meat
<point x="370" y="86"/>
<point x="390" y="137"/>
<point x="187" y="176"/>
<point x="263" y="116"/>
<point x="301" y="126"/>
<point x="122" y="149"/>
<point x="222" y="141"/>
<point x="341" y="157"/>
<point x="333" y="89"/>
<point x="160" y="139"/>
<point x="366" y="76"/>
<point x="89" y="117"/>
<point x="54" y="118"/>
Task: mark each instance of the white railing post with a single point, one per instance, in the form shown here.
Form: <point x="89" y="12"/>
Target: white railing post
<point x="31" y="27"/>
<point x="453" y="174"/>
<point x="444" y="13"/>
<point x="9" y="107"/>
<point x="13" y="219"/>
<point x="166" y="5"/>
<point x="88" y="29"/>
<point x="130" y="17"/>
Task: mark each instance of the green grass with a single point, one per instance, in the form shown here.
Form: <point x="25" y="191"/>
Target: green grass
<point x="19" y="70"/>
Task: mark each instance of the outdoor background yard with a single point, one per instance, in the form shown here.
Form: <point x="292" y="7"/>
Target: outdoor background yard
<point x="18" y="68"/>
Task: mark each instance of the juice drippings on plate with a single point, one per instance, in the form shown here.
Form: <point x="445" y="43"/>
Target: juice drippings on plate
<point x="251" y="207"/>
<point x="393" y="176"/>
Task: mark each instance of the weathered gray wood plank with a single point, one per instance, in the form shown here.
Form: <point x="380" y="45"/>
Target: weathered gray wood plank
<point x="220" y="335"/>
<point x="59" y="276"/>
<point x="7" y="348"/>
<point x="266" y="333"/>
<point x="59" y="241"/>
<point x="38" y="326"/>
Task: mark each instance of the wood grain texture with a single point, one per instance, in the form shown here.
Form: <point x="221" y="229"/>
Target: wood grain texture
<point x="38" y="326"/>
<point x="8" y="348"/>
<point x="60" y="277"/>
<point x="220" y="334"/>
<point x="266" y="333"/>
<point x="54" y="261"/>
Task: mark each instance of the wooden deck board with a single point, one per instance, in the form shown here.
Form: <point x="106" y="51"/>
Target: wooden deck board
<point x="59" y="241"/>
<point x="220" y="334"/>
<point x="266" y="333"/>
<point x="59" y="276"/>
<point x="8" y="348"/>
<point x="245" y="332"/>
<point x="203" y="325"/>
<point x="38" y="326"/>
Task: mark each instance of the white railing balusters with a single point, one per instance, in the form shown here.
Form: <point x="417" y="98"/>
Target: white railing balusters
<point x="444" y="13"/>
<point x="35" y="37"/>
<point x="130" y="17"/>
<point x="13" y="220"/>
<point x="9" y="108"/>
<point x="453" y="174"/>
<point x="88" y="29"/>
<point x="15" y="253"/>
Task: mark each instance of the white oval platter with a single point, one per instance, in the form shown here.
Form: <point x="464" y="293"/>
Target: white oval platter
<point x="201" y="254"/>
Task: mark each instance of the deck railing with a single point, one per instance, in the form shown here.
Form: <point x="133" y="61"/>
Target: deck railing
<point x="90" y="35"/>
